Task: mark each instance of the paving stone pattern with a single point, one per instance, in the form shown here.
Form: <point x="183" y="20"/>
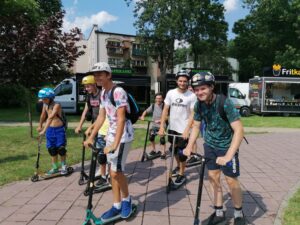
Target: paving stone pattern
<point x="269" y="169"/>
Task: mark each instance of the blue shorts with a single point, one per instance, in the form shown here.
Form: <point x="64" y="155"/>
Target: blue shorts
<point x="56" y="137"/>
<point x="232" y="169"/>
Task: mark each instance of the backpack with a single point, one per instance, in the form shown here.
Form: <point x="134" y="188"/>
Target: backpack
<point x="221" y="111"/>
<point x="134" y="114"/>
<point x="63" y="117"/>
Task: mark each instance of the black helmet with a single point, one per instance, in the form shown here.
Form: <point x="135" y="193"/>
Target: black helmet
<point x="183" y="73"/>
<point x="203" y="78"/>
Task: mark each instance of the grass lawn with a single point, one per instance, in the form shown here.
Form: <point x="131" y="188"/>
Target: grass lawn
<point x="18" y="152"/>
<point x="292" y="212"/>
<point x="271" y="121"/>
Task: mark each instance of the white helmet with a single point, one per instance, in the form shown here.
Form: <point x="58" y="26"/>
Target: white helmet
<point x="101" y="66"/>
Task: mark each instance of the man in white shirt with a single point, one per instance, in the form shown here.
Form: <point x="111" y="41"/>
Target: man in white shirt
<point x="180" y="101"/>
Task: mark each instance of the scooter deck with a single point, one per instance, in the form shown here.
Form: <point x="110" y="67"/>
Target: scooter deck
<point x="100" y="189"/>
<point x="226" y="222"/>
<point x="118" y="217"/>
<point x="194" y="163"/>
<point x="39" y="177"/>
<point x="151" y="157"/>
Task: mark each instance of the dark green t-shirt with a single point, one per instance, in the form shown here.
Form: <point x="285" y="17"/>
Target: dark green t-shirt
<point x="218" y="133"/>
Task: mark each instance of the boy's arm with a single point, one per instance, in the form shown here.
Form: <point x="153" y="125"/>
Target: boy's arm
<point x="142" y="117"/>
<point x="163" y="119"/>
<point x="238" y="135"/>
<point x="82" y="119"/>
<point x="194" y="135"/>
<point x="43" y="117"/>
<point x="186" y="132"/>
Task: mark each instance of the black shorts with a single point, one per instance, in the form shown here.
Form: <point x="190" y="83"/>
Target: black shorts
<point x="232" y="169"/>
<point x="180" y="143"/>
<point x="152" y="134"/>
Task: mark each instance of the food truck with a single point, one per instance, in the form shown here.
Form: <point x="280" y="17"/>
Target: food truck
<point x="276" y="92"/>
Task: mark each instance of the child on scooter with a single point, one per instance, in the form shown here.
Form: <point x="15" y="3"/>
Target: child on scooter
<point x="54" y="129"/>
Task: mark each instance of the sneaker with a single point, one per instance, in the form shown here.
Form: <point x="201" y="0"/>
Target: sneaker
<point x="163" y="156"/>
<point x="126" y="209"/>
<point x="180" y="180"/>
<point x="152" y="153"/>
<point x="110" y="214"/>
<point x="52" y="171"/>
<point x="239" y="221"/>
<point x="175" y="172"/>
<point x="193" y="159"/>
<point x="101" y="182"/>
<point x="64" y="170"/>
<point x="214" y="220"/>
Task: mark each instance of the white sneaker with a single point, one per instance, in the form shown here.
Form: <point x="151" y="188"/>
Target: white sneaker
<point x="64" y="170"/>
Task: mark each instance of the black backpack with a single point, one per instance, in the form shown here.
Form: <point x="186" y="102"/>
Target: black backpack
<point x="63" y="117"/>
<point x="134" y="114"/>
<point x="221" y="111"/>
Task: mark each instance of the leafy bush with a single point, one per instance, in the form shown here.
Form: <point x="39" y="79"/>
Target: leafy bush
<point x="12" y="96"/>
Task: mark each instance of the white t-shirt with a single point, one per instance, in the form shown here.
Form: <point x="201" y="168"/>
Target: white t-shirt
<point x="181" y="106"/>
<point x="120" y="98"/>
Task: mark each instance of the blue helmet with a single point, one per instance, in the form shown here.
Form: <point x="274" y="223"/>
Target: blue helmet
<point x="46" y="93"/>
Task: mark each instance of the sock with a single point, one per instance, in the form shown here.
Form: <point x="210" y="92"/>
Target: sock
<point x="103" y="176"/>
<point x="126" y="199"/>
<point x="117" y="205"/>
<point x="219" y="211"/>
<point x="238" y="212"/>
<point x="54" y="166"/>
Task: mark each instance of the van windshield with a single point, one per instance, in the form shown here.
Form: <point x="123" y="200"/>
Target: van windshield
<point x="63" y="89"/>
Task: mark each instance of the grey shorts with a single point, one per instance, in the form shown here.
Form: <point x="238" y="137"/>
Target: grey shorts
<point x="117" y="160"/>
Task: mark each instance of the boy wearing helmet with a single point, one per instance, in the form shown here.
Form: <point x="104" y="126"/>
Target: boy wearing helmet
<point x="92" y="101"/>
<point x="221" y="143"/>
<point x="181" y="102"/>
<point x="92" y="106"/>
<point x="54" y="130"/>
<point x="119" y="137"/>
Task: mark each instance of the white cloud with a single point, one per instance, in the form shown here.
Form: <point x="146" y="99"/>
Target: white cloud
<point x="231" y="5"/>
<point x="85" y="23"/>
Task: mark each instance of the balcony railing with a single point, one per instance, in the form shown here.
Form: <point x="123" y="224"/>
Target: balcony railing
<point x="138" y="52"/>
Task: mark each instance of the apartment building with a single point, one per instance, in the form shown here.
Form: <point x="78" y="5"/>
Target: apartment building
<point x="120" y="51"/>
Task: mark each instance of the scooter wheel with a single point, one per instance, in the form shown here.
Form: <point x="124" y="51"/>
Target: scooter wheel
<point x="70" y="169"/>
<point x="81" y="181"/>
<point x="86" y="192"/>
<point x="34" y="178"/>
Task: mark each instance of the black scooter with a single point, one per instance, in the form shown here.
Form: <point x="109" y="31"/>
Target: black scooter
<point x="171" y="186"/>
<point x="145" y="154"/>
<point x="83" y="176"/>
<point x="90" y="217"/>
<point x="38" y="176"/>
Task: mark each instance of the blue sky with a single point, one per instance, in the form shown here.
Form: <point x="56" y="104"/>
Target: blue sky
<point x="115" y="16"/>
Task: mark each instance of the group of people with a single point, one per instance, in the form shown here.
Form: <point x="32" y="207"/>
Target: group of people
<point x="184" y="109"/>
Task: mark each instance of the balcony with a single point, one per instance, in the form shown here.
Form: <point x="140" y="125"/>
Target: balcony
<point x="114" y="51"/>
<point x="138" y="52"/>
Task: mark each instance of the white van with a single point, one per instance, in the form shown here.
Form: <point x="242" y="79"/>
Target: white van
<point x="239" y="95"/>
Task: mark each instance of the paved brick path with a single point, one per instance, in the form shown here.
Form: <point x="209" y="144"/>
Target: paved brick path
<point x="269" y="168"/>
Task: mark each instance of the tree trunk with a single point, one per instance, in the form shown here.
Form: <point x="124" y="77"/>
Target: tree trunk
<point x="29" y="111"/>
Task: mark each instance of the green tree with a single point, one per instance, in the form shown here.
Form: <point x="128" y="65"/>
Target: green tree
<point x="269" y="34"/>
<point x="32" y="53"/>
<point x="205" y="30"/>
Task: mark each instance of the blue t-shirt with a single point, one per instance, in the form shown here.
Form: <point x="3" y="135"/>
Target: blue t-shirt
<point x="218" y="133"/>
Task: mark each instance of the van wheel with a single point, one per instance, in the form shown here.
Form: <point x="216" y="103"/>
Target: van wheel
<point x="245" y="111"/>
